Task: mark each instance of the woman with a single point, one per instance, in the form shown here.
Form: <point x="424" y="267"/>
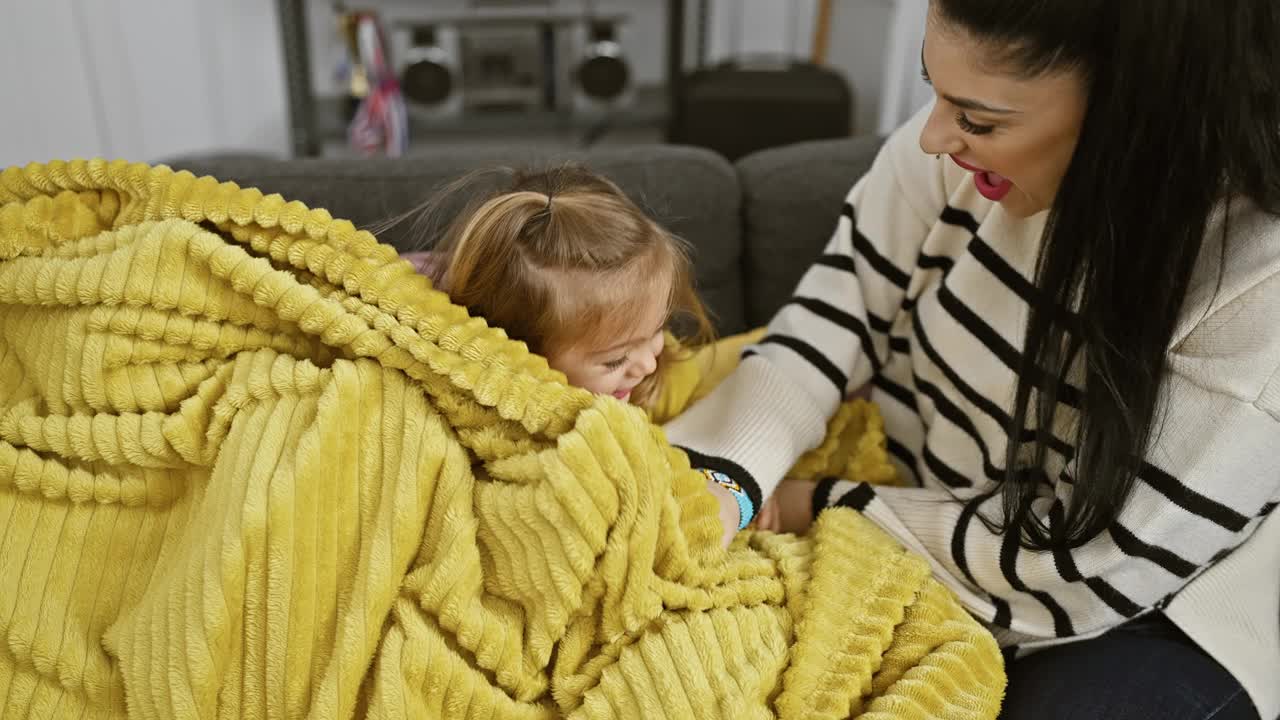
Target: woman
<point x="1085" y="256"/>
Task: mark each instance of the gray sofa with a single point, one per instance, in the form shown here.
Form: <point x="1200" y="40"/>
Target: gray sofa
<point x="754" y="225"/>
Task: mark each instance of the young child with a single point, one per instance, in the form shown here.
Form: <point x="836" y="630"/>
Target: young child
<point x="564" y="261"/>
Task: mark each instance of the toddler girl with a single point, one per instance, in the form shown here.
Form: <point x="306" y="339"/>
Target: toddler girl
<point x="562" y="260"/>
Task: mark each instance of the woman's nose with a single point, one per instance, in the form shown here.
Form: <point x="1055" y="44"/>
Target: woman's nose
<point x="940" y="135"/>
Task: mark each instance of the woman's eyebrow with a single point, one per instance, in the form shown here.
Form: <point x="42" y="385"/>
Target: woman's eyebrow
<point x="960" y="102"/>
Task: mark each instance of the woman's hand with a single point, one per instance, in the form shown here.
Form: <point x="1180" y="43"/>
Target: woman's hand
<point x="789" y="509"/>
<point x="768" y="517"/>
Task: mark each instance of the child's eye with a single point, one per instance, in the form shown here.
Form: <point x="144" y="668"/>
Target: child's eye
<point x="615" y="364"/>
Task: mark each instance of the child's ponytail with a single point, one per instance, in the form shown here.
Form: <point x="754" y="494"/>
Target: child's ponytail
<point x="486" y="266"/>
<point x="485" y="244"/>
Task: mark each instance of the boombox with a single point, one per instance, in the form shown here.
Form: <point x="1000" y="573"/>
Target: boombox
<point x="512" y="61"/>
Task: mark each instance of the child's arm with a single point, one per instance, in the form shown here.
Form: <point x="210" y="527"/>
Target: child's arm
<point x="685" y="378"/>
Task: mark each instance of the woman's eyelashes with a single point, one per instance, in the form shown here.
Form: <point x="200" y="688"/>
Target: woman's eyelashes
<point x="962" y="120"/>
<point x="615" y="364"/>
<point x="971" y="127"/>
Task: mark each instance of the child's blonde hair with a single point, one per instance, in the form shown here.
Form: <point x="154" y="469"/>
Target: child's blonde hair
<point x="562" y="258"/>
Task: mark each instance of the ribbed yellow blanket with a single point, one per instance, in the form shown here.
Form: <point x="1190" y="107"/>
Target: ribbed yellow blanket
<point x="252" y="465"/>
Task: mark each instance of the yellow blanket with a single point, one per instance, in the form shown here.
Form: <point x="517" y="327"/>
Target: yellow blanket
<point x="252" y="465"/>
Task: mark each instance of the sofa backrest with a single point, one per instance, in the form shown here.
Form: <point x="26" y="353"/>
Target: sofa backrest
<point x="693" y="192"/>
<point x="791" y="199"/>
<point x="754" y="227"/>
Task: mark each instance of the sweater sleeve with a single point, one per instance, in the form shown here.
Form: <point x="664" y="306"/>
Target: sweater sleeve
<point x="831" y="336"/>
<point x="1211" y="477"/>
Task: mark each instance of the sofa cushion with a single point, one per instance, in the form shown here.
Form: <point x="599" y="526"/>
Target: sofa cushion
<point x="791" y="199"/>
<point x="693" y="192"/>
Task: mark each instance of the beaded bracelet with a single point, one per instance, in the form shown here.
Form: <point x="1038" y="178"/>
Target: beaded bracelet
<point x="745" y="509"/>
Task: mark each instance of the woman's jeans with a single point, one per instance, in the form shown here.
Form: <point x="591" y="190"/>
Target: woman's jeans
<point x="1146" y="669"/>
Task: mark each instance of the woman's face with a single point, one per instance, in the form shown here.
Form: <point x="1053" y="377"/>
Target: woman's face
<point x="1015" y="134"/>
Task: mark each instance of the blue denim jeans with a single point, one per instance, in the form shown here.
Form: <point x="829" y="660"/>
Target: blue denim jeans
<point x="1146" y="669"/>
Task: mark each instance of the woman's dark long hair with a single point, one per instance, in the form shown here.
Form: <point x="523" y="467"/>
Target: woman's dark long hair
<point x="1183" y="114"/>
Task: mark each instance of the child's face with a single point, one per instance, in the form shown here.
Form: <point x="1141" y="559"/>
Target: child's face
<point x="615" y="368"/>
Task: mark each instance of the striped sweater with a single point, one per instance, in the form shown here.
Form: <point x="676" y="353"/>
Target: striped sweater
<point x="923" y="293"/>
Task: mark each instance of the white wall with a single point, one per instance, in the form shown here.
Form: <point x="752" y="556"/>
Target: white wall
<point x="139" y="79"/>
<point x="903" y="89"/>
<point x="858" y="42"/>
<point x="149" y="79"/>
<point x="741" y="28"/>
<point x="48" y="108"/>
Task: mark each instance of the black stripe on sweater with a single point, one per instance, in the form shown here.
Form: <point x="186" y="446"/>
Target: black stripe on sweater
<point x="858" y="498"/>
<point x="836" y="261"/>
<point x="944" y="472"/>
<point x="880" y="263"/>
<point x="961" y="421"/>
<point x="1061" y="556"/>
<point x="1066" y="565"/>
<point x="987" y="256"/>
<point x="983" y="253"/>
<point x="1003" y="617"/>
<point x="1226" y="552"/>
<point x="959" y="218"/>
<point x="1001" y="348"/>
<point x="1133" y="546"/>
<point x="1011" y="279"/>
<point x="935" y="262"/>
<point x="960" y="533"/>
<point x="813" y="357"/>
<point x="984" y="333"/>
<point x="1004" y="272"/>
<point x="840" y="318"/>
<point x="1009" y="547"/>
<point x="981" y="402"/>
<point x="897" y="392"/>
<point x="1190" y="500"/>
<point x="1114" y="599"/>
<point x="904" y="455"/>
<point x="878" y="323"/>
<point x="822" y="494"/>
<point x="975" y="398"/>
